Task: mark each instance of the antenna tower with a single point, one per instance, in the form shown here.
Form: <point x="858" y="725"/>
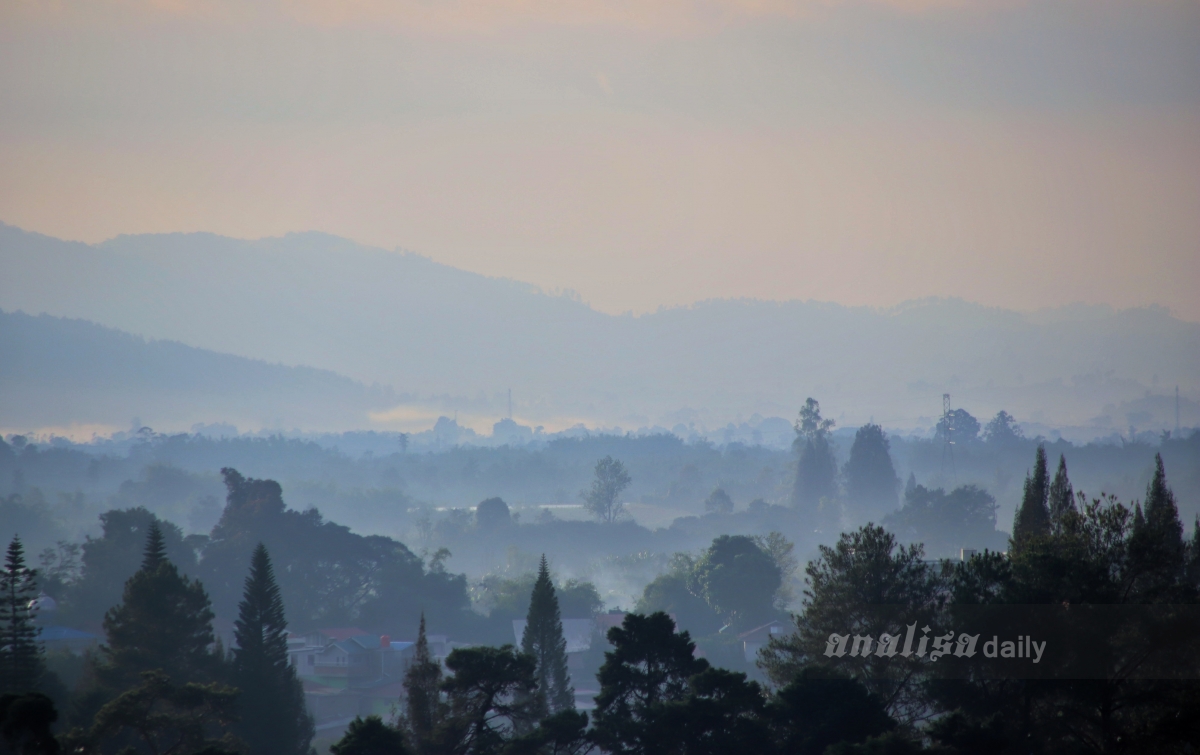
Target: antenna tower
<point x="510" y="404"/>
<point x="948" y="437"/>
<point x="1177" y="411"/>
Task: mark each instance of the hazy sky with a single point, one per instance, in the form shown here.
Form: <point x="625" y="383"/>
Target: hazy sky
<point x="1022" y="154"/>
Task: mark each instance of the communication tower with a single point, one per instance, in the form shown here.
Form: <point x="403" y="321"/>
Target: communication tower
<point x="948" y="437"/>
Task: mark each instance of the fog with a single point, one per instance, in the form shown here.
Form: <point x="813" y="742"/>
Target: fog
<point x="572" y="377"/>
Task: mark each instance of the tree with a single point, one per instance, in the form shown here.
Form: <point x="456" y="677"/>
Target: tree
<point x="945" y="522"/>
<point x="871" y="479"/>
<point x="489" y="698"/>
<point x="738" y="580"/>
<point x="163" y="623"/>
<point x="1003" y="429"/>
<point x="21" y="664"/>
<point x="110" y="560"/>
<point x="649" y="665"/>
<point x="865" y="585"/>
<point x="816" y="469"/>
<point x="273" y="714"/>
<point x="722" y="712"/>
<point x="718" y="502"/>
<point x="1033" y="515"/>
<point x="492" y="513"/>
<point x="1061" y="497"/>
<point x="159" y="717"/>
<point x="1156" y="545"/>
<point x="25" y="725"/>
<point x="958" y="427"/>
<point x="818" y="709"/>
<point x="423" y="709"/>
<point x="543" y="640"/>
<point x="603" y="500"/>
<point x="370" y="736"/>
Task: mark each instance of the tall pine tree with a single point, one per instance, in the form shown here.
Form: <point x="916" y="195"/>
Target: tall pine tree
<point x="274" y="720"/>
<point x="21" y="665"/>
<point x="422" y="684"/>
<point x="1061" y="496"/>
<point x="163" y="622"/>
<point x="1156" y="545"/>
<point x="1033" y="516"/>
<point x="543" y="639"/>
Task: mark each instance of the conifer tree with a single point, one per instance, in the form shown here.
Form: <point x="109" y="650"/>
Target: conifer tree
<point x="1156" y="543"/>
<point x="21" y="664"/>
<point x="543" y="639"/>
<point x="1033" y="516"/>
<point x="1061" y="496"/>
<point x="164" y="622"/>
<point x="274" y="719"/>
<point x="422" y="684"/>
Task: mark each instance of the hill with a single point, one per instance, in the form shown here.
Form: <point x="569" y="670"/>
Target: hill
<point x="461" y="340"/>
<point x="61" y="372"/>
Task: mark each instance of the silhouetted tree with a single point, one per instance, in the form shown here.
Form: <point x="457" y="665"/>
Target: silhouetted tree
<point x="871" y="480"/>
<point x="820" y="708"/>
<point x="959" y="426"/>
<point x="423" y="709"/>
<point x="1061" y="498"/>
<point x="1002" y="429"/>
<point x="21" y="664"/>
<point x="164" y="623"/>
<point x="865" y="585"/>
<point x="945" y="522"/>
<point x="492" y="513"/>
<point x="816" y="471"/>
<point x="543" y="641"/>
<point x="603" y="499"/>
<point x="718" y="502"/>
<point x="370" y="736"/>
<point x="160" y="717"/>
<point x="649" y="665"/>
<point x="1156" y="546"/>
<point x="489" y="697"/>
<point x="1033" y="515"/>
<point x="721" y="712"/>
<point x="737" y="579"/>
<point x="110" y="560"/>
<point x="273" y="714"/>
<point x="26" y="723"/>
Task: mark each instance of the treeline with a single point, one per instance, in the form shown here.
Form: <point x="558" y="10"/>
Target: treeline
<point x="161" y="682"/>
<point x="1128" y="683"/>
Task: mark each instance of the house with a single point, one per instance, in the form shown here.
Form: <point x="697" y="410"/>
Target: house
<point x="347" y="672"/>
<point x="754" y="640"/>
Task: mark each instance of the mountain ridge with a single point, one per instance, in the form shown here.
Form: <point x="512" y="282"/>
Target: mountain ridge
<point x="404" y="320"/>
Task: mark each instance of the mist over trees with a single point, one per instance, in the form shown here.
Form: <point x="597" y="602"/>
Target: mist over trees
<point x="194" y="571"/>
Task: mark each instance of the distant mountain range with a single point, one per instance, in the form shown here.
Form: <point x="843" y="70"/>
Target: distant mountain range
<point x="58" y="372"/>
<point x="458" y="340"/>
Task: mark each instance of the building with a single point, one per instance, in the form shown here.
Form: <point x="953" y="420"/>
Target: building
<point x="348" y="672"/>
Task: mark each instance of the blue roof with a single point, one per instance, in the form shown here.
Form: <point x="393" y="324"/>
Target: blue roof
<point x="401" y="645"/>
<point x="58" y="634"/>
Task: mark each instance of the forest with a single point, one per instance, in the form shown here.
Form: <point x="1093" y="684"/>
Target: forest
<point x="709" y="634"/>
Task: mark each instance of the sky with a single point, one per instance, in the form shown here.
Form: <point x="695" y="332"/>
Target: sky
<point x="1022" y="154"/>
